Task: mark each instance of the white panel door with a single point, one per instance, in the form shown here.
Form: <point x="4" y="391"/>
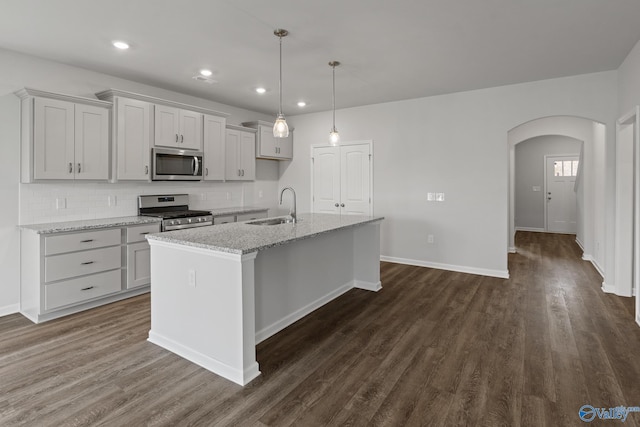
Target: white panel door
<point x="561" y="201"/>
<point x="326" y="180"/>
<point x="232" y="162"/>
<point x="247" y="156"/>
<point x="355" y="191"/>
<point x="138" y="264"/>
<point x="91" y="142"/>
<point x="53" y="139"/>
<point x="133" y="139"/>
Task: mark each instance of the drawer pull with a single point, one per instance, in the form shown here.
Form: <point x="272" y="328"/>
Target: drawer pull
<point x="86" y="263"/>
<point x="86" y="241"/>
<point x="86" y="289"/>
<point x="143" y="233"/>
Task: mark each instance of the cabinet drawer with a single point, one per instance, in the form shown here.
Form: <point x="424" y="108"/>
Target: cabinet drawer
<point x="78" y="263"/>
<point x="81" y="289"/>
<point x="62" y="243"/>
<point x="223" y="219"/>
<point x="137" y="233"/>
<point x="251" y="216"/>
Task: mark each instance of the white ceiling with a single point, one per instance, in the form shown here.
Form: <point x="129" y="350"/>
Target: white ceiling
<point x="390" y="50"/>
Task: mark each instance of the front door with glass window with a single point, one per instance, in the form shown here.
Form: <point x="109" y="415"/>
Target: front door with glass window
<point x="560" y="195"/>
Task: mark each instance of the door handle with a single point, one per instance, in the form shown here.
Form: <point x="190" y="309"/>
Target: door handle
<point x="548" y="198"/>
<point x="79" y="168"/>
<point x="337" y="205"/>
<point x="342" y="205"/>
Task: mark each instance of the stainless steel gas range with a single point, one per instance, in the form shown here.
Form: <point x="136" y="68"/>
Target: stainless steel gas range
<point x="174" y="211"/>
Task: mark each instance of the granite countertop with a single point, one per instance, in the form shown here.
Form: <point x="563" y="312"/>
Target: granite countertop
<point x="242" y="238"/>
<point x="88" y="224"/>
<point x="235" y="210"/>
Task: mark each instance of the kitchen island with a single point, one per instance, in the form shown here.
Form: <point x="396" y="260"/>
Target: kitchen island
<point x="217" y="291"/>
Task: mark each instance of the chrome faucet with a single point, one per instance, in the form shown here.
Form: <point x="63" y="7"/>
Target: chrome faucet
<point x="292" y="211"/>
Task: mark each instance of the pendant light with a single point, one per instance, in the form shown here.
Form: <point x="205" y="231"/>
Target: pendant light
<point x="334" y="136"/>
<point x="280" y="127"/>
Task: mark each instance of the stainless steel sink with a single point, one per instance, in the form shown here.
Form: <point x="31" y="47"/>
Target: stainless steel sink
<point x="272" y="221"/>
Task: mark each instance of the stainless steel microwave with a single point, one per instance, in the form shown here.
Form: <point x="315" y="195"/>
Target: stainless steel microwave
<point x="172" y="164"/>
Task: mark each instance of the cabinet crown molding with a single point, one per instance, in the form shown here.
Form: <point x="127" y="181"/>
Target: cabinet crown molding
<point x="109" y="94"/>
<point x="242" y="128"/>
<point x="28" y="92"/>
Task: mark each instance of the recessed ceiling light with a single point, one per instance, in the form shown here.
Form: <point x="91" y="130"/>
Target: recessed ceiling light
<point x="302" y="104"/>
<point x="261" y="90"/>
<point x="121" y="45"/>
<point x="206" y="72"/>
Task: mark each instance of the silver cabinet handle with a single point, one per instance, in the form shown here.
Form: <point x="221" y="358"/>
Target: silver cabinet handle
<point x="70" y="167"/>
<point x="176" y="137"/>
<point x="79" y="168"/>
<point x="146" y="170"/>
<point x="143" y="233"/>
<point x="86" y="263"/>
<point x="206" y="171"/>
<point x="342" y="205"/>
<point x="197" y="166"/>
<point x="337" y="205"/>
<point x="242" y="172"/>
<point x="86" y="241"/>
<point x="87" y="288"/>
<point x="181" y="138"/>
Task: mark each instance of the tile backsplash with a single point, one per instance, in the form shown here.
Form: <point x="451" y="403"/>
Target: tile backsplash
<point x="55" y="202"/>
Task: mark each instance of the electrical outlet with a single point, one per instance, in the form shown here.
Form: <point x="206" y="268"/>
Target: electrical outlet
<point x="260" y="194"/>
<point x="228" y="195"/>
<point x="203" y="197"/>
<point x="112" y="201"/>
<point x="430" y="238"/>
<point x="61" y="203"/>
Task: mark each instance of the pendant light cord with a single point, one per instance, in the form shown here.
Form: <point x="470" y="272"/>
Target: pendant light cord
<point x="334" y="97"/>
<point x="280" y="81"/>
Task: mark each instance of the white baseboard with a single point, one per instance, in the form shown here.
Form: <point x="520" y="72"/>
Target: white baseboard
<point x="608" y="289"/>
<point x="502" y="274"/>
<point x="581" y="245"/>
<point x="512" y="250"/>
<point x="9" y="309"/>
<point x="367" y="286"/>
<point x="209" y="363"/>
<point x="532" y="229"/>
<point x="279" y="325"/>
<point x="595" y="264"/>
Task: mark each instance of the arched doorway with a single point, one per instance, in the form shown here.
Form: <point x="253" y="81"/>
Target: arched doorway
<point x="593" y="135"/>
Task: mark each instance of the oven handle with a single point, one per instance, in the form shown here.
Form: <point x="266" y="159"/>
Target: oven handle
<point x="197" y="166"/>
<point x="183" y="226"/>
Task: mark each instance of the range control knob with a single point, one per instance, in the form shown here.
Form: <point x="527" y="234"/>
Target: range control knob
<point x="189" y="220"/>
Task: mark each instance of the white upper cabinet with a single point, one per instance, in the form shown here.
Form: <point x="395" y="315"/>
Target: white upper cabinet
<point x="63" y="137"/>
<point x="240" y="147"/>
<point x="178" y="128"/>
<point x="132" y="130"/>
<point x="268" y="146"/>
<point x="214" y="148"/>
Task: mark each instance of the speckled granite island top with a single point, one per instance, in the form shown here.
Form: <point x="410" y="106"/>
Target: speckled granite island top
<point x="242" y="238"/>
<point x="88" y="224"/>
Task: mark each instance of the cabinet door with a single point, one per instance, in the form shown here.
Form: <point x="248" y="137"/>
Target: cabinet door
<point x="232" y="161"/>
<point x="285" y="146"/>
<point x="247" y="156"/>
<point x="167" y="126"/>
<point x="214" y="148"/>
<point x="266" y="142"/>
<point x="190" y="130"/>
<point x="355" y="182"/>
<point x="133" y="139"/>
<point x="53" y="139"/>
<point x="326" y="179"/>
<point x="91" y="142"/>
<point x="138" y="264"/>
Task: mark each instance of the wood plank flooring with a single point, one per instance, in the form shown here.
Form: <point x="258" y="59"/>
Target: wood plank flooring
<point x="431" y="348"/>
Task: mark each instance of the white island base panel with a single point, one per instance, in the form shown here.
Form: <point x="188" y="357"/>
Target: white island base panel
<point x="213" y="307"/>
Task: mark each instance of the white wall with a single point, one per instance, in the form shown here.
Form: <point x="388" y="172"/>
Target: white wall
<point x="529" y="168"/>
<point x="456" y="144"/>
<point x="34" y="203"/>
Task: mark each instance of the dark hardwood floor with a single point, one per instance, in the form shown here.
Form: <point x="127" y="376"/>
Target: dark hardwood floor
<point x="431" y="348"/>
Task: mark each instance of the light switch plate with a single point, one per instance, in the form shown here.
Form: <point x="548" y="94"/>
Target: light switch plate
<point x="439" y="197"/>
<point x="431" y="197"/>
<point x="536" y="188"/>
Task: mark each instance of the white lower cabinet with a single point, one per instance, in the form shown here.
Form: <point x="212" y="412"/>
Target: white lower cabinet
<point x="67" y="272"/>
<point x="251" y="216"/>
